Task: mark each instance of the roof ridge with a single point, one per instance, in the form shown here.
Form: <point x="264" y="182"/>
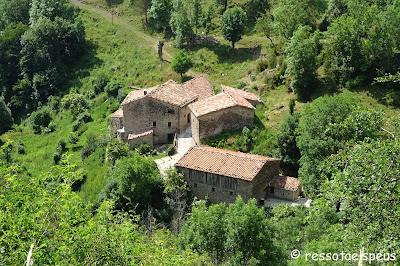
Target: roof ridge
<point x="241" y="154"/>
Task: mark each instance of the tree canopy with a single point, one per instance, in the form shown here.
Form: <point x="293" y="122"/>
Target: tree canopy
<point x="233" y="24"/>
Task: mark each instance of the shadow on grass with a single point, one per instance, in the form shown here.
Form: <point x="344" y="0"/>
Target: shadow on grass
<point x="226" y="54"/>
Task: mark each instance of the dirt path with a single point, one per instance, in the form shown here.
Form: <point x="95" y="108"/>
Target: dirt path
<point x="146" y="40"/>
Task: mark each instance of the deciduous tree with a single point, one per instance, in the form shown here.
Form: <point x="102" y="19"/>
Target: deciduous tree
<point x="233" y="24"/>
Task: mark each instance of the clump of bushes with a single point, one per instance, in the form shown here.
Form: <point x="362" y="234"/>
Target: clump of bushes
<point x="171" y="150"/>
<point x="74" y="102"/>
<point x="262" y="65"/>
<point x="113" y="88"/>
<point x="20" y="148"/>
<point x="100" y="83"/>
<point x="116" y="150"/>
<point x="73" y="138"/>
<point x="90" y="146"/>
<point x="144" y="149"/>
<point x="240" y="85"/>
<point x="41" y="120"/>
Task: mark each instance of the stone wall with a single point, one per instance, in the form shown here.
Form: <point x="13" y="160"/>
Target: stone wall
<point x="148" y="112"/>
<point x="217" y="193"/>
<point x="116" y="123"/>
<point x="134" y="143"/>
<point x="195" y="128"/>
<point x="214" y="123"/>
<point x="262" y="179"/>
<point x="287" y="194"/>
<point x="184" y="112"/>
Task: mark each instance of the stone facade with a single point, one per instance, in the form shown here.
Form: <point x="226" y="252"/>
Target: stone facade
<point x="222" y="175"/>
<point x="286" y="194"/>
<point x="117" y="120"/>
<point x="285" y="187"/>
<point x="214" y="123"/>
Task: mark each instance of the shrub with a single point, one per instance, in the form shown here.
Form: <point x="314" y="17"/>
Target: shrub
<point x="116" y="150"/>
<point x="144" y="149"/>
<point x="56" y="158"/>
<point x="75" y="125"/>
<point x="240" y="85"/>
<point x="99" y="83"/>
<point x="121" y="95"/>
<point x="262" y="65"/>
<point x="90" y="147"/>
<point x="73" y="138"/>
<point x="74" y="102"/>
<point x="61" y="145"/>
<point x="84" y="117"/>
<point x="21" y="148"/>
<point x="54" y="103"/>
<point x="171" y="150"/>
<point x="51" y="127"/>
<point x="40" y="119"/>
<point x="113" y="88"/>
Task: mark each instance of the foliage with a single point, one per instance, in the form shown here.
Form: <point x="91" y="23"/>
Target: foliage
<point x="286" y="145"/>
<point x="100" y="82"/>
<point x="364" y="181"/>
<point x="160" y="11"/>
<point x="116" y="150"/>
<point x="290" y="14"/>
<point x="90" y="146"/>
<point x="113" y="87"/>
<point x="206" y="19"/>
<point x="132" y="183"/>
<point x="5" y="117"/>
<point x="196" y="14"/>
<point x="144" y="149"/>
<point x="178" y="198"/>
<point x="180" y="23"/>
<point x="74" y="102"/>
<point x="41" y="119"/>
<point x="256" y="8"/>
<point x="301" y="61"/>
<point x="326" y="126"/>
<point x="42" y="211"/>
<point x="171" y="150"/>
<point x="13" y="12"/>
<point x="181" y="62"/>
<point x="223" y="233"/>
<point x="264" y="24"/>
<point x="233" y="24"/>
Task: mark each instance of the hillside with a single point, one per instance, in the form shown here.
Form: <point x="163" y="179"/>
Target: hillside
<point x="326" y="119"/>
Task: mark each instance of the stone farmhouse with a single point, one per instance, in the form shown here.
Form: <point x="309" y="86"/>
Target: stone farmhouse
<point x="224" y="174"/>
<point x="155" y="115"/>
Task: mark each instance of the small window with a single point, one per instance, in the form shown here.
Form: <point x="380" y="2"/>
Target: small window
<point x="154" y="123"/>
<point x="213" y="189"/>
<point x="169" y="124"/>
<point x="231" y="193"/>
<point x="195" y="184"/>
<point x="171" y="111"/>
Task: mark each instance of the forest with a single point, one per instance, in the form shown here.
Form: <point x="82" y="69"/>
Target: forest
<point x="73" y="194"/>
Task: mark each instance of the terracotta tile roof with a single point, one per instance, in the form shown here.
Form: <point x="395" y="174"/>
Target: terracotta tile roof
<point x="218" y="102"/>
<point x="140" y="133"/>
<point x="224" y="162"/>
<point x="170" y="92"/>
<point x="138" y="94"/>
<point x="118" y="113"/>
<point x="241" y="93"/>
<point x="285" y="182"/>
<point x="199" y="86"/>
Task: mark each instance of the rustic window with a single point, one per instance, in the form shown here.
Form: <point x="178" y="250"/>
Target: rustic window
<point x="154" y="123"/>
<point x="231" y="193"/>
<point x="213" y="189"/>
<point x="195" y="184"/>
<point x="169" y="124"/>
<point x="171" y="111"/>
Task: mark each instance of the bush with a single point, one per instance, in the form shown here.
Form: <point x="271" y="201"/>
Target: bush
<point x="51" y="127"/>
<point x="262" y="65"/>
<point x="121" y="95"/>
<point x="40" y="119"/>
<point x="56" y="158"/>
<point x="90" y="147"/>
<point x="76" y="125"/>
<point x="54" y="103"/>
<point x="61" y="145"/>
<point x="240" y="85"/>
<point x="116" y="150"/>
<point x="144" y="149"/>
<point x="74" y="102"/>
<point x="73" y="138"/>
<point x="99" y="83"/>
<point x="84" y="117"/>
<point x="21" y="148"/>
<point x="171" y="150"/>
<point x="113" y="88"/>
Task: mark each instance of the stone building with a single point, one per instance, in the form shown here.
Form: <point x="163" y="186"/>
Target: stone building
<point x="224" y="174"/>
<point x="230" y="109"/>
<point x="285" y="187"/>
<point x="154" y="115"/>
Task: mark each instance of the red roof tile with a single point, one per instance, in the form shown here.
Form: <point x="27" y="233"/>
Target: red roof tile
<point x="118" y="113"/>
<point x="224" y="162"/>
<point x="285" y="182"/>
<point x="170" y="92"/>
<point x="199" y="86"/>
<point x="241" y="93"/>
<point x="218" y="102"/>
<point x="140" y="133"/>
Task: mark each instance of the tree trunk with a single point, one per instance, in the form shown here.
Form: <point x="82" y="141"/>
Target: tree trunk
<point x="273" y="44"/>
<point x="233" y="45"/>
<point x="145" y="10"/>
<point x="226" y="5"/>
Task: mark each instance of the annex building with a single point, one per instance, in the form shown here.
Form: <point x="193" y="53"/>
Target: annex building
<point x="222" y="175"/>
